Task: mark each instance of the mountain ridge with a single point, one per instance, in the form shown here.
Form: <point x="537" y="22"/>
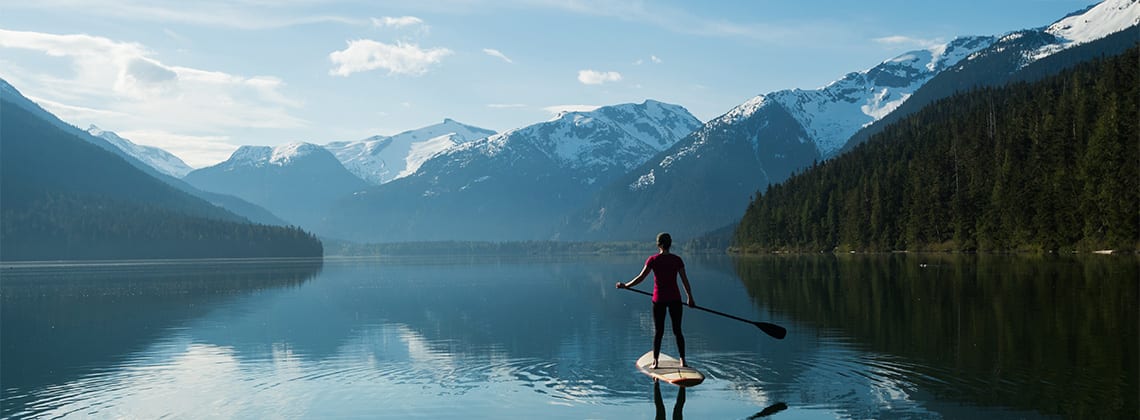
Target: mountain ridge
<point x="514" y="185"/>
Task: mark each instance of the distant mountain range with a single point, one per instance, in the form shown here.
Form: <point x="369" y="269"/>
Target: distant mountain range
<point x="517" y="185"/>
<point x="379" y="159"/>
<point x="298" y="181"/>
<point x="621" y="172"/>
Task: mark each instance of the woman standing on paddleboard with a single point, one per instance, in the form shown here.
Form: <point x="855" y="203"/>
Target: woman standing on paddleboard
<point x="666" y="296"/>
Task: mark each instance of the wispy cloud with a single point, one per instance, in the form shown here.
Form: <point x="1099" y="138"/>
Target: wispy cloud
<point x="593" y="77"/>
<point x="401" y="58"/>
<point x="121" y="84"/>
<point x="496" y="53"/>
<point x="196" y="151"/>
<point x="214" y="13"/>
<point x="502" y="106"/>
<point x="396" y="22"/>
<point x="906" y="41"/>
<point x="652" y="59"/>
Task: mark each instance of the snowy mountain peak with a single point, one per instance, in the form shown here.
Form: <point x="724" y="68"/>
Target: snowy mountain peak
<point x="249" y="156"/>
<point x="259" y="156"/>
<point x="154" y="157"/>
<point x="1096" y="22"/>
<point x="830" y="115"/>
<point x="743" y="110"/>
<point x="284" y="154"/>
<point x="94" y="130"/>
<point x="380" y="159"/>
<point x="590" y="144"/>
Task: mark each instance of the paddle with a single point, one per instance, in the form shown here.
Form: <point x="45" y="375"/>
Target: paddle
<point x="773" y="330"/>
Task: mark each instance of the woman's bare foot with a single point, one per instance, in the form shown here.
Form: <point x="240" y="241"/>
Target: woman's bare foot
<point x="683" y="364"/>
<point x="654" y="365"/>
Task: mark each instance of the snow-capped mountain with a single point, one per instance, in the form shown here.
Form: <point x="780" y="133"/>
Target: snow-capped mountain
<point x="1111" y="25"/>
<point x="830" y="115"/>
<point x="706" y="180"/>
<point x="380" y="159"/>
<point x="296" y="181"/>
<point x="1096" y="22"/>
<point x="518" y="184"/>
<point x="157" y="158"/>
<point x="591" y="144"/>
<point x="262" y="156"/>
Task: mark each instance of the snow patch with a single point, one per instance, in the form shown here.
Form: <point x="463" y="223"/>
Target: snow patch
<point x="1104" y="19"/>
<point x="743" y="110"/>
<point x="643" y="182"/>
<point x="381" y="159"/>
<point x="286" y="154"/>
<point x="155" y="157"/>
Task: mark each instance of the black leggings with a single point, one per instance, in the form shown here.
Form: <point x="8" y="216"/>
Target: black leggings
<point x="674" y="309"/>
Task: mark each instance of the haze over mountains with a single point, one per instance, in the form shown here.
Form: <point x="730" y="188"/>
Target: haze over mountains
<point x="157" y="158"/>
<point x="296" y="181"/>
<point x="620" y="172"/>
<point x="65" y="194"/>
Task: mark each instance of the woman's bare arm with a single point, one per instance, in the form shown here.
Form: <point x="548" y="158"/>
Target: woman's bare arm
<point x="636" y="280"/>
<point x="688" y="290"/>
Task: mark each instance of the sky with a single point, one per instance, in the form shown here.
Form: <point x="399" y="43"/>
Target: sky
<point x="201" y="78"/>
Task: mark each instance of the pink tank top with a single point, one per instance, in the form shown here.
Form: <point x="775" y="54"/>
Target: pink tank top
<point x="665" y="268"/>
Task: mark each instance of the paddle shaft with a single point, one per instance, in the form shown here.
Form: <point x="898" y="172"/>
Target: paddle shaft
<point x="768" y="328"/>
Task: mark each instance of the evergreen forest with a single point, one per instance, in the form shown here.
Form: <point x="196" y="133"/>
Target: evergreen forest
<point x="1052" y="165"/>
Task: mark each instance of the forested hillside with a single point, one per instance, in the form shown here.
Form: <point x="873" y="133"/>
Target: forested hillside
<point x="62" y="198"/>
<point x="1048" y="165"/>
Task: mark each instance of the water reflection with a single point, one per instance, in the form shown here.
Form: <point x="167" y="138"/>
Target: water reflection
<point x="543" y="338"/>
<point x="1049" y="334"/>
<point x="659" y="403"/>
<point x="60" y="322"/>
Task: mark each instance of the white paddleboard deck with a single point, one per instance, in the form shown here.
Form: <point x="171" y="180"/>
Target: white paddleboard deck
<point x="669" y="369"/>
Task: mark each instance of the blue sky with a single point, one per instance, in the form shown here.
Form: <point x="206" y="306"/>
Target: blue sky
<point x="200" y="78"/>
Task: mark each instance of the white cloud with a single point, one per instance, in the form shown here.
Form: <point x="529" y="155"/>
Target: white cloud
<point x="501" y="106"/>
<point x="75" y="113"/>
<point x="496" y="53"/>
<point x="401" y="58"/>
<point x="638" y="62"/>
<point x="120" y="79"/>
<point x="592" y="77"/>
<point x="213" y="13"/>
<point x="197" y="151"/>
<point x="906" y="41"/>
<point x="654" y="59"/>
<point x="558" y="109"/>
<point x="396" y="22"/>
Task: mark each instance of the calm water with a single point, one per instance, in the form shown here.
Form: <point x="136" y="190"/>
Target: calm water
<point x="899" y="336"/>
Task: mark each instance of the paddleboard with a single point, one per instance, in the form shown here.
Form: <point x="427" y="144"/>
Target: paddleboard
<point x="669" y="369"/>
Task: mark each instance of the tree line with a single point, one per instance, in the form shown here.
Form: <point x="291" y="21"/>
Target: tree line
<point x="61" y="226"/>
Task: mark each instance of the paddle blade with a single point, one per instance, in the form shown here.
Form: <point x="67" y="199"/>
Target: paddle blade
<point x="773" y="330"/>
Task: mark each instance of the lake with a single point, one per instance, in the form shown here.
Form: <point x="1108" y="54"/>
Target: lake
<point x="870" y="336"/>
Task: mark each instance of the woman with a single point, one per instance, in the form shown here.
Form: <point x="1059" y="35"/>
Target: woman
<point x="666" y="296"/>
